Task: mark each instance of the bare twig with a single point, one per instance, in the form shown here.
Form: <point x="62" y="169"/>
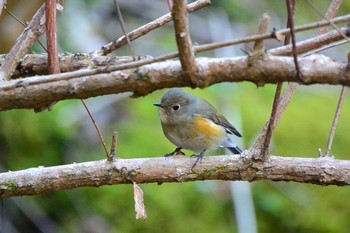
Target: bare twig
<point x="291" y="9"/>
<point x="23" y="44"/>
<point x="24" y="24"/>
<point x="2" y="4"/>
<point x="34" y="181"/>
<point x="336" y="119"/>
<point x="51" y="37"/>
<point x="143" y="30"/>
<point x="331" y="13"/>
<point x="170" y="4"/>
<point x="314" y="44"/>
<point x="323" y="48"/>
<point x="273" y="35"/>
<point x="97" y="129"/>
<point x="261" y="151"/>
<point x="333" y="8"/>
<point x="122" y="24"/>
<point x="113" y="155"/>
<point x="263" y="29"/>
<point x="184" y="43"/>
<point x="258" y="47"/>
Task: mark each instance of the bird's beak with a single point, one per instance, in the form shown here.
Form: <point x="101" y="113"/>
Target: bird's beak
<point x="159" y="105"/>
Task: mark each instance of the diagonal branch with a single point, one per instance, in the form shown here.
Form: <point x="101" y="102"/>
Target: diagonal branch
<point x="122" y="24"/>
<point x="2" y="4"/>
<point x="143" y="30"/>
<point x="331" y="13"/>
<point x="23" y="44"/>
<point x="261" y="146"/>
<point x="336" y="119"/>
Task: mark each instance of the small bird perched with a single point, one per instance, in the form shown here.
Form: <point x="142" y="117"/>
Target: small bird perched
<point x="192" y="123"/>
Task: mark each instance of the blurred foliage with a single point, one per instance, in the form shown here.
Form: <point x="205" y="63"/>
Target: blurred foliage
<point x="66" y="134"/>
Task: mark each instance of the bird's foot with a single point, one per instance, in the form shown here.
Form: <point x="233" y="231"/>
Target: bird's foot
<point x="199" y="158"/>
<point x="176" y="151"/>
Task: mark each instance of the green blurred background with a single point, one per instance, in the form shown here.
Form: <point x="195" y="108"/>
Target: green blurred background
<point x="66" y="134"/>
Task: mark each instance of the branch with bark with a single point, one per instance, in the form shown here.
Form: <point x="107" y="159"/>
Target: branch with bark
<point x="321" y="171"/>
<point x="90" y="75"/>
<point x="38" y="92"/>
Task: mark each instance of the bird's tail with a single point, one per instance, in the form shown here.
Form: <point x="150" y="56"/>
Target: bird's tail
<point x="235" y="150"/>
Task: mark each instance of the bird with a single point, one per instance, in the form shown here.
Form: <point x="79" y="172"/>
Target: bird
<point x="192" y="123"/>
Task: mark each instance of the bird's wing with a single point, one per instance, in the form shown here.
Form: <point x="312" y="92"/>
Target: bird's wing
<point x="209" y="112"/>
<point x="221" y="120"/>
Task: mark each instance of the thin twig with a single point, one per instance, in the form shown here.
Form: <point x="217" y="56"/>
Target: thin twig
<point x="51" y="37"/>
<point x="183" y="41"/>
<point x="24" y="24"/>
<point x="143" y="30"/>
<point x="97" y="129"/>
<point x="273" y="35"/>
<point x="333" y="9"/>
<point x="336" y="119"/>
<point x="329" y="46"/>
<point x="291" y="9"/>
<point x="2" y="5"/>
<point x="331" y="13"/>
<point x="271" y="124"/>
<point x="23" y="44"/>
<point x="313" y="44"/>
<point x="170" y="4"/>
<point x="113" y="155"/>
<point x="122" y="24"/>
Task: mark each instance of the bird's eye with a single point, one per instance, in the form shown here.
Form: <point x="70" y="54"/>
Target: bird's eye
<point x="176" y="107"/>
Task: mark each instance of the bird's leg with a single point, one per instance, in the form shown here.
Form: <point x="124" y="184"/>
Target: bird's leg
<point x="199" y="157"/>
<point x="178" y="149"/>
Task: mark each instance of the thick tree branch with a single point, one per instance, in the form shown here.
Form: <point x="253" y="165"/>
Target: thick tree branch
<point x="38" y="92"/>
<point x="36" y="64"/>
<point x="322" y="171"/>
